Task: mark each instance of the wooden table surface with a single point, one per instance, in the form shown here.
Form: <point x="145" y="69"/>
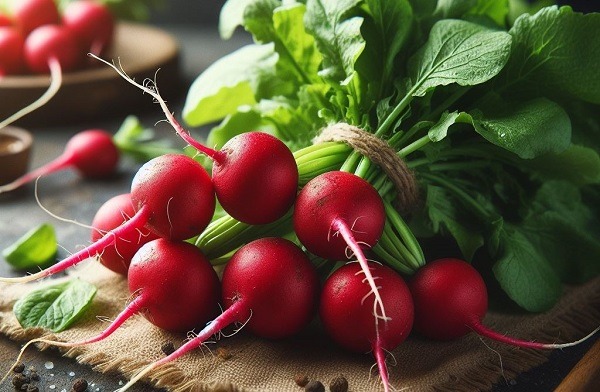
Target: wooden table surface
<point x="71" y="197"/>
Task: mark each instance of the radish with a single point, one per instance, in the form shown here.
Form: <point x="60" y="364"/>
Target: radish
<point x="339" y="211"/>
<point x="346" y="311"/>
<point x="91" y="23"/>
<point x="31" y="14"/>
<point x="450" y="299"/>
<point x="11" y="47"/>
<point x="109" y="216"/>
<point x="52" y="42"/>
<point x="5" y="20"/>
<point x="48" y="48"/>
<point x="172" y="196"/>
<point x="92" y="152"/>
<point x="269" y="285"/>
<point x="255" y="174"/>
<point x="172" y="284"/>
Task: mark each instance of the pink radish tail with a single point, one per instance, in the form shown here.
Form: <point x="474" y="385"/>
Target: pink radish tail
<point x="61" y="162"/>
<point x="132" y="308"/>
<point x="340" y="225"/>
<point x="379" y="355"/>
<point x="228" y="317"/>
<point x="136" y="222"/>
<point x="151" y="88"/>
<point x="482" y="330"/>
<point x="55" y="83"/>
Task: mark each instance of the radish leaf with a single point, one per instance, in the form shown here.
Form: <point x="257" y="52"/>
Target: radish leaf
<point x="55" y="307"/>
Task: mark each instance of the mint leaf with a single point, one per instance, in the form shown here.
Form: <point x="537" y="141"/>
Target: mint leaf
<point x="337" y="35"/>
<point x="556" y="53"/>
<point x="35" y="248"/>
<point x="528" y="129"/>
<point x="458" y="52"/>
<point x="524" y="272"/>
<point x="55" y="307"/>
<point x="230" y="82"/>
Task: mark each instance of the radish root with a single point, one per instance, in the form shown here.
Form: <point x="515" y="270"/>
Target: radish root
<point x="55" y="83"/>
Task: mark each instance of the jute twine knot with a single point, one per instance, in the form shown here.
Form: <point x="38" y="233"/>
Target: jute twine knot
<point x="380" y="153"/>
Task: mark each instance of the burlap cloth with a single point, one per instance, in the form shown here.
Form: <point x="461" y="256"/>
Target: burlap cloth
<point x="252" y="364"/>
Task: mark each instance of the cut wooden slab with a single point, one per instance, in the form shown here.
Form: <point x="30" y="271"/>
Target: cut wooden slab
<point x="98" y="90"/>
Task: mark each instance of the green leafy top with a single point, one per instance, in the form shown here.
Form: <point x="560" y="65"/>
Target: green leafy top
<point x="495" y="110"/>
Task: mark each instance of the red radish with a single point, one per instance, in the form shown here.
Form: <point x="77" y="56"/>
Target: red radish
<point x="48" y="48"/>
<point x="269" y="285"/>
<point x="11" y="47"/>
<point x="450" y="299"/>
<point x="255" y="174"/>
<point x="172" y="196"/>
<point x="339" y="211"/>
<point x="112" y="214"/>
<point x="52" y="42"/>
<point x="173" y="285"/>
<point x="31" y="14"/>
<point x="91" y="22"/>
<point x="92" y="152"/>
<point x="5" y="20"/>
<point x="346" y="310"/>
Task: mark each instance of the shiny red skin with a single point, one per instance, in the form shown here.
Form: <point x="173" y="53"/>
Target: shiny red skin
<point x="256" y="178"/>
<point x="94" y="153"/>
<point x="179" y="194"/>
<point x="179" y="287"/>
<point x="333" y="195"/>
<point x="278" y="284"/>
<point x="11" y="48"/>
<point x="91" y="23"/>
<point x="449" y="295"/>
<point x="350" y="322"/>
<point x="113" y="213"/>
<point x="52" y="41"/>
<point x="31" y="14"/>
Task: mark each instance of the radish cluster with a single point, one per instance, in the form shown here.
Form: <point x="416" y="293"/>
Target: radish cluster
<point x="35" y="34"/>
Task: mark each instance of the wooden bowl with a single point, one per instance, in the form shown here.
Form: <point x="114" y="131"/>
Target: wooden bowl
<point x="15" y="150"/>
<point x="98" y="91"/>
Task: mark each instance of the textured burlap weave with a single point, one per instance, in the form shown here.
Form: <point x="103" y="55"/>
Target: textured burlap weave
<point x="259" y="365"/>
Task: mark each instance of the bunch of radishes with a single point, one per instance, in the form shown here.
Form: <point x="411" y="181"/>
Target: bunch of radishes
<point x="269" y="285"/>
<point x="35" y="36"/>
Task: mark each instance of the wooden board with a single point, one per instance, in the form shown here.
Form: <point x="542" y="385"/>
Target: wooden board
<point x="99" y="91"/>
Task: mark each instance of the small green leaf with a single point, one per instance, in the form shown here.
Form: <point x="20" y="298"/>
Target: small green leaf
<point x="35" y="248"/>
<point x="232" y="16"/>
<point x="55" y="307"/>
<point x="458" y="52"/>
<point x="440" y="130"/>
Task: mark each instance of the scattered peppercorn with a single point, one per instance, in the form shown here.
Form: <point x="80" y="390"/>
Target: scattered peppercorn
<point x="34" y="375"/>
<point x="168" y="348"/>
<point x="19" y="380"/>
<point x="314" y="386"/>
<point x="223" y="353"/>
<point x="339" y="384"/>
<point x="301" y="380"/>
<point x="32" y="388"/>
<point x="19" y="368"/>
<point x="80" y="385"/>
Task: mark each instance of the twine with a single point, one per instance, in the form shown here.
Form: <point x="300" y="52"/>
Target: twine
<point x="380" y="153"/>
